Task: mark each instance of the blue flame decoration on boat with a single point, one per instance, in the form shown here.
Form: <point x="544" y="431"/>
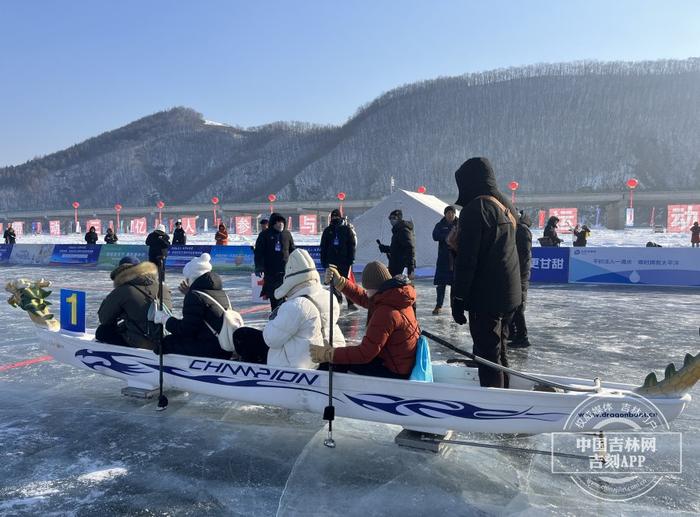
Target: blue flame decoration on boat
<point x="102" y="360"/>
<point x="441" y="408"/>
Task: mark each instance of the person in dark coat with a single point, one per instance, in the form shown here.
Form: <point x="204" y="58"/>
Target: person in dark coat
<point x="523" y="242"/>
<point x="402" y="250"/>
<point x="581" y="233"/>
<point x="272" y="249"/>
<point x="264" y="223"/>
<point x="179" y="235"/>
<point x="695" y="235"/>
<point x="123" y="314"/>
<point x="9" y="234"/>
<point x="91" y="236"/>
<point x="487" y="270"/>
<point x="111" y="237"/>
<point x="158" y="243"/>
<point x="338" y="244"/>
<point x="444" y="268"/>
<point x="191" y="335"/>
<point x="550" y="237"/>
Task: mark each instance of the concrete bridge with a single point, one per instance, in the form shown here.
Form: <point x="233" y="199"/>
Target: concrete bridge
<point x="613" y="203"/>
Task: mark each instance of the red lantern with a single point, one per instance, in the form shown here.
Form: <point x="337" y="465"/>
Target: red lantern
<point x="76" y="204"/>
<point x="160" y="205"/>
<point x="422" y="189"/>
<point x="513" y="185"/>
<point x="632" y="183"/>
<point x="215" y="200"/>
<point x="75" y="212"/>
<point x="341" y="196"/>
<point x="272" y="198"/>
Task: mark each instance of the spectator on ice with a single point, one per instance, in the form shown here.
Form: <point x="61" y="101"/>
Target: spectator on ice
<point x="272" y="250"/>
<point x="179" y="236"/>
<point x="581" y="234"/>
<point x="695" y="235"/>
<point x="444" y="268"/>
<point x="221" y="236"/>
<point x="158" y="243"/>
<point x="402" y="250"/>
<point x="523" y="243"/>
<point x="9" y="234"/>
<point x="338" y="243"/>
<point x="91" y="236"/>
<point x="111" y="237"/>
<point x="550" y="237"/>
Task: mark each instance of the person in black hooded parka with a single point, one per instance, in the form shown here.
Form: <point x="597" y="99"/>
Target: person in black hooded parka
<point x="523" y="242"/>
<point x="444" y="268"/>
<point x="158" y="243"/>
<point x="272" y="249"/>
<point x="338" y="243"/>
<point x="487" y="271"/>
<point x="550" y="237"/>
<point x="402" y="250"/>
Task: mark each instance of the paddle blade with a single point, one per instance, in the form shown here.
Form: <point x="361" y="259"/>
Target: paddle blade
<point x="329" y="413"/>
<point x="162" y="403"/>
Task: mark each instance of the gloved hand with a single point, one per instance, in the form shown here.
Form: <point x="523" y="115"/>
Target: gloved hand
<point x="383" y="248"/>
<point x="334" y="276"/>
<point x="184" y="286"/>
<point x="160" y="317"/>
<point x="458" y="311"/>
<point x="321" y="354"/>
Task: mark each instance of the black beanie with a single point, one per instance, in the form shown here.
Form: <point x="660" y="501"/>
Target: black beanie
<point x="335" y="213"/>
<point x="396" y="213"/>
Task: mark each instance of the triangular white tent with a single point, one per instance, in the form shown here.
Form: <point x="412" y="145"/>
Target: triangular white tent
<point x="422" y="209"/>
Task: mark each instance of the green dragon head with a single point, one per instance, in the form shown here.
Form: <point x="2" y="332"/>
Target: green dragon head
<point x="676" y="382"/>
<point x="31" y="296"/>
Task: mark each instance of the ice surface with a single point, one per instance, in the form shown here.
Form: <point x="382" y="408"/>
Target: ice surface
<point x="70" y="444"/>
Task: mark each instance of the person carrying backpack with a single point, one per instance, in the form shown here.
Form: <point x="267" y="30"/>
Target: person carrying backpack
<point x="197" y="332"/>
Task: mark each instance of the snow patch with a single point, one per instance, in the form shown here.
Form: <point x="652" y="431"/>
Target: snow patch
<point x="99" y="476"/>
<point x="212" y="123"/>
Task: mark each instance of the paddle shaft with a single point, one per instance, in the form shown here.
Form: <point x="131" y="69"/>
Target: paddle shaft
<point x="486" y="362"/>
<point x="162" y="399"/>
<point x="329" y="411"/>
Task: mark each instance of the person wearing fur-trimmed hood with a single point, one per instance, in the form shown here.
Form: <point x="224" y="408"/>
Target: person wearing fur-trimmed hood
<point x="301" y="320"/>
<point x="192" y="334"/>
<point x="123" y="313"/>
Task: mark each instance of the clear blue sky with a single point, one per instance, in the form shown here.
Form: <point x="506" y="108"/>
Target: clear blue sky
<point x="72" y="69"/>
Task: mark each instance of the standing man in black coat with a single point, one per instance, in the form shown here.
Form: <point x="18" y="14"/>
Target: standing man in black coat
<point x="91" y="236"/>
<point x="158" y="243"/>
<point x="179" y="235"/>
<point x="487" y="272"/>
<point x="402" y="250"/>
<point x="550" y="237"/>
<point x="338" y="244"/>
<point x="444" y="269"/>
<point x="272" y="249"/>
<point x="9" y="234"/>
<point x="523" y="242"/>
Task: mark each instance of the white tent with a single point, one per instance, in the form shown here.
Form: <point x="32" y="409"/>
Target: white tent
<point x="422" y="209"/>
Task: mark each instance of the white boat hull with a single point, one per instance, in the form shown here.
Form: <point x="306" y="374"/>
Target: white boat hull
<point x="455" y="401"/>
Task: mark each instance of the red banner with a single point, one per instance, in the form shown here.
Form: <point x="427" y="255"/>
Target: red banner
<point x="568" y="218"/>
<point x="308" y="224"/>
<point x="94" y="222"/>
<point x="18" y="227"/>
<point x="682" y="217"/>
<point x="55" y="227"/>
<point x="189" y="224"/>
<point x="139" y="226"/>
<point x="244" y="225"/>
<point x="541" y="216"/>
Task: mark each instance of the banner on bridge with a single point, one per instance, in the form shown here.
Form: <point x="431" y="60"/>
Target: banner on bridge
<point x="244" y="225"/>
<point x="55" y="228"/>
<point x="682" y="217"/>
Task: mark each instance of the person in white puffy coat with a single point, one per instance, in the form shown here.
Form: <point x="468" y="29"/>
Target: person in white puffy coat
<point x="302" y="320"/>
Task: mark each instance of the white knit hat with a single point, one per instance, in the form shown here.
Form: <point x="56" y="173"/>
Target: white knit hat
<point x="161" y="227"/>
<point x="300" y="268"/>
<point x="197" y="267"/>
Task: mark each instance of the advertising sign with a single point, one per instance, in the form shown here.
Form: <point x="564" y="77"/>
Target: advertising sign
<point x="308" y="224"/>
<point x="568" y="218"/>
<point x="189" y="224"/>
<point x="139" y="226"/>
<point x="550" y="265"/>
<point x="96" y="223"/>
<point x="315" y="252"/>
<point x="232" y="258"/>
<point x="244" y="225"/>
<point x="19" y="228"/>
<point x="31" y="254"/>
<point x="682" y="217"/>
<point x="112" y="254"/>
<point x="55" y="228"/>
<point x="73" y="310"/>
<point x="641" y="266"/>
<point x="75" y="254"/>
<point x="5" y="251"/>
<point x="178" y="255"/>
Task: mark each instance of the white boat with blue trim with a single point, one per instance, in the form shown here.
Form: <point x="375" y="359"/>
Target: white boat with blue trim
<point x="454" y="401"/>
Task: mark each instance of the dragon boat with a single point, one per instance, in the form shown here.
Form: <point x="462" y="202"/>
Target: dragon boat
<point x="453" y="401"/>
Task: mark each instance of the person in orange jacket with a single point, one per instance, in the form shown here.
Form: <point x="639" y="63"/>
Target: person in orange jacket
<point x="388" y="348"/>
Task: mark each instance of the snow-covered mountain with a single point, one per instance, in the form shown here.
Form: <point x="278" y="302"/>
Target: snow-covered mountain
<point x="553" y="128"/>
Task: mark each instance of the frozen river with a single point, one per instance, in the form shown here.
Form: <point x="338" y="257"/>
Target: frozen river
<point x="70" y="444"/>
